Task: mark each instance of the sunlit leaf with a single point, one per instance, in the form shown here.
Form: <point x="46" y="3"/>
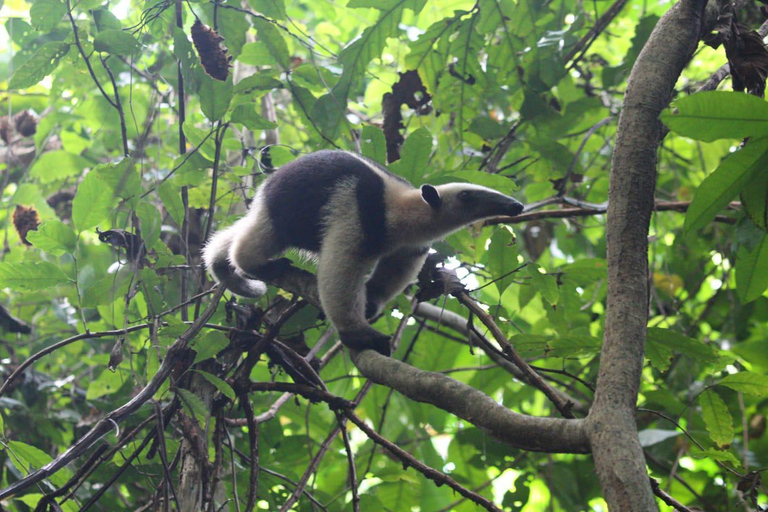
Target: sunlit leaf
<point x="717" y="418"/>
<point x="725" y="183"/>
<point x="713" y="115"/>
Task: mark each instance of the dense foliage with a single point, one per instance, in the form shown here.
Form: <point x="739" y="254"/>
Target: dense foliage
<point x="122" y="154"/>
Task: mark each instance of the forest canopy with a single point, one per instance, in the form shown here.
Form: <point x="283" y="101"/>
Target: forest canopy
<point x="134" y="130"/>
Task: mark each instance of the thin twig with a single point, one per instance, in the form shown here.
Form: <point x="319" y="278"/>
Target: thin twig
<point x="534" y="378"/>
<point x="106" y="424"/>
<point x="350" y="463"/>
<point x="601" y="24"/>
<point x="408" y="460"/>
<point x="85" y="58"/>
<point x="119" y="107"/>
<point x="564" y="213"/>
<point x="253" y="444"/>
<point x="63" y="343"/>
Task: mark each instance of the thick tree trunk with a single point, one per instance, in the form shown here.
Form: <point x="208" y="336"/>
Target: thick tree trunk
<point x="612" y="430"/>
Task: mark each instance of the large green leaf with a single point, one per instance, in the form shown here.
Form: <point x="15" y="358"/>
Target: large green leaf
<point x="116" y="42"/>
<point x="57" y="165"/>
<point x="271" y="37"/>
<point x="53" y="236"/>
<point x="502" y="258"/>
<point x="716" y="115"/>
<point x="373" y="144"/>
<point x="30" y="275"/>
<point x="40" y="65"/>
<point x="752" y="269"/>
<point x="215" y="96"/>
<point x="725" y="183"/>
<point x="46" y="14"/>
<point x="28" y="458"/>
<point x="93" y="202"/>
<point x="754" y="197"/>
<point x="414" y="156"/>
<point x="662" y="344"/>
<point x="248" y="116"/>
<point x="717" y="418"/>
<point x="747" y="382"/>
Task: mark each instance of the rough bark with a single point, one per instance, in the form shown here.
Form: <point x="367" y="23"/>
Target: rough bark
<point x="612" y="430"/>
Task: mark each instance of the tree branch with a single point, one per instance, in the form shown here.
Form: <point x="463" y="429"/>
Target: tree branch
<point x="107" y="423"/>
<point x="611" y="423"/>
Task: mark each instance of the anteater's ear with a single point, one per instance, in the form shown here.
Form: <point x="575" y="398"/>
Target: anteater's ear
<point x="431" y="196"/>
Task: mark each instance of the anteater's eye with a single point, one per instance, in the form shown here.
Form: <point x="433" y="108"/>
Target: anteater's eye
<point x="464" y="195"/>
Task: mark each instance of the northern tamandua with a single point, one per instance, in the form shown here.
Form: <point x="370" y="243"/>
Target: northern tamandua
<point x="369" y="229"/>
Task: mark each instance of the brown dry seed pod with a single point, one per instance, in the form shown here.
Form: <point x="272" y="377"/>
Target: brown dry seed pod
<point x="212" y="52"/>
<point x="25" y="219"/>
<point x="26" y="123"/>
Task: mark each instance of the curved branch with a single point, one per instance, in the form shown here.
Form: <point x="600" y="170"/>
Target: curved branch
<point x="611" y="423"/>
<point x="551" y="435"/>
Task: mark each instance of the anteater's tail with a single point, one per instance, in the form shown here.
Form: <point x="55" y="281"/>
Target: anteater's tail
<point x="216" y="259"/>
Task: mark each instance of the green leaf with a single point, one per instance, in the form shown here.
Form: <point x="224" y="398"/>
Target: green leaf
<point x="661" y="344"/>
<point x="31" y="276"/>
<point x="751" y="274"/>
<point x="487" y="128"/>
<point x="28" y="458"/>
<point x="57" y="165"/>
<point x="717" y="418"/>
<point x="274" y="9"/>
<point x="248" y="116"/>
<point x="107" y="383"/>
<point x="46" y="14"/>
<point x="270" y="36"/>
<point x="39" y="66"/>
<point x="502" y="258"/>
<point x="574" y="345"/>
<point x="713" y="115"/>
<point x="105" y="20"/>
<point x="585" y="271"/>
<point x="545" y="283"/>
<point x="715" y="455"/>
<point x="257" y="82"/>
<point x="215" y="97"/>
<point x="122" y="177"/>
<point x="725" y="183"/>
<point x="193" y="405"/>
<point x="373" y="144"/>
<point x="224" y="388"/>
<point x="208" y="345"/>
<point x="54" y="237"/>
<point x="172" y="201"/>
<point x="754" y="198"/>
<point x="107" y="289"/>
<point x="414" y="156"/>
<point x="747" y="382"/>
<point x="116" y="42"/>
<point x="93" y="202"/>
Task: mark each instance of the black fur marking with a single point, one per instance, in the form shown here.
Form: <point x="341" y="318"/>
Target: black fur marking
<point x="431" y="196"/>
<point x="298" y="192"/>
<point x="271" y="269"/>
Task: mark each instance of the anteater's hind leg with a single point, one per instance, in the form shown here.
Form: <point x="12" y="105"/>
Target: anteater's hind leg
<point x="341" y="275"/>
